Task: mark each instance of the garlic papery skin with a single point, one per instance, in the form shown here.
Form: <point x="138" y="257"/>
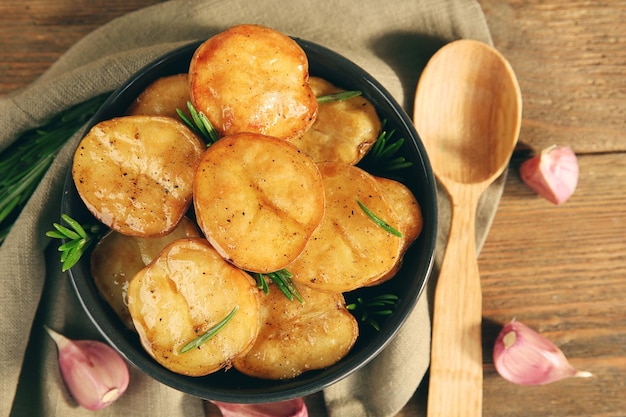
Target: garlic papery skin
<point x="522" y="356"/>
<point x="93" y="372"/>
<point x="553" y="174"/>
<point x="289" y="408"/>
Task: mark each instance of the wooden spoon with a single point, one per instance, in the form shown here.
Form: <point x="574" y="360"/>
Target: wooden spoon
<point x="468" y="113"/>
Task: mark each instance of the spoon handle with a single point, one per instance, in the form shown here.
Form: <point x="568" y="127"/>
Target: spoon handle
<point x="456" y="368"/>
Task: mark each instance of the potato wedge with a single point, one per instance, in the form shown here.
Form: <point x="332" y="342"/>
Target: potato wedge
<point x="117" y="258"/>
<point x="258" y="199"/>
<point x="348" y="250"/>
<point x="298" y="337"/>
<point x="182" y="294"/>
<point x="163" y="97"/>
<point x="343" y="131"/>
<point x="410" y="218"/>
<point x="135" y="173"/>
<point x="251" y="78"/>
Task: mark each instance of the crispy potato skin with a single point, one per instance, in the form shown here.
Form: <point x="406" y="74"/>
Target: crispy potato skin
<point x="117" y="258"/>
<point x="135" y="173"/>
<point x="406" y="206"/>
<point x="163" y="97"/>
<point x="250" y="78"/>
<point x="410" y="218"/>
<point x="348" y="250"/>
<point x="184" y="292"/>
<point x="298" y="337"/>
<point x="343" y="131"/>
<point x="258" y="199"/>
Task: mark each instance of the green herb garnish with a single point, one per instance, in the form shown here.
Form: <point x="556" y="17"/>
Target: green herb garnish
<point x="383" y="156"/>
<point x="199" y="124"/>
<point x="24" y="163"/>
<point x="198" y="341"/>
<point x="282" y="279"/>
<point x="380" y="222"/>
<point x="379" y="306"/>
<point x="344" y="95"/>
<point x="77" y="239"/>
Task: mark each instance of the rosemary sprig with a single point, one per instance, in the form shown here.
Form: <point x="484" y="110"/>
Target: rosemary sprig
<point x="199" y="123"/>
<point x="282" y="279"/>
<point x="198" y="341"/>
<point x="378" y="306"/>
<point x="383" y="156"/>
<point x="380" y="222"/>
<point x="77" y="239"/>
<point x="24" y="163"/>
<point x="344" y="95"/>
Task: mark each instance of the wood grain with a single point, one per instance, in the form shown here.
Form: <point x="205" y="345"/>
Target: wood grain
<point x="570" y="58"/>
<point x="35" y="33"/>
<point x="560" y="269"/>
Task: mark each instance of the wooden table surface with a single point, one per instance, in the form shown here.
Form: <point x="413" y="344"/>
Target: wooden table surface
<point x="562" y="270"/>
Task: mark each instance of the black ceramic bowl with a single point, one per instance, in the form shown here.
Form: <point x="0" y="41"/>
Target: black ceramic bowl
<point x="231" y="386"/>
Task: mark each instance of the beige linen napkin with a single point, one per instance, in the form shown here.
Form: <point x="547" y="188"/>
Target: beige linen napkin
<point x="392" y="40"/>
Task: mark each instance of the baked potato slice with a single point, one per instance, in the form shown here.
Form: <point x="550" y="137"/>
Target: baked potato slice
<point x="116" y="259"/>
<point x="410" y="218"/>
<point x="251" y="78"/>
<point x="298" y="337"/>
<point x="163" y="97"/>
<point x="182" y="294"/>
<point x="349" y="249"/>
<point x="406" y="206"/>
<point x="258" y="200"/>
<point x="135" y="173"/>
<point x="343" y="131"/>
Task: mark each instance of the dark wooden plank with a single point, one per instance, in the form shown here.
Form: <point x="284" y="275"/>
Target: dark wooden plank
<point x="35" y="33"/>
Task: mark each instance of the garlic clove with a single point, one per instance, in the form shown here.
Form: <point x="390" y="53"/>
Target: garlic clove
<point x="93" y="372"/>
<point x="289" y="408"/>
<point x="553" y="174"/>
<point x="522" y="356"/>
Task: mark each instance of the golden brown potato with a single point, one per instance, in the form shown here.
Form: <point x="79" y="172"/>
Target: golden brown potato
<point x="117" y="258"/>
<point x="343" y="131"/>
<point x="297" y="337"/>
<point x="182" y="294"/>
<point x="135" y="173"/>
<point x="406" y="206"/>
<point x="348" y="250"/>
<point x="250" y="78"/>
<point x="410" y="218"/>
<point x="163" y="97"/>
<point x="258" y="199"/>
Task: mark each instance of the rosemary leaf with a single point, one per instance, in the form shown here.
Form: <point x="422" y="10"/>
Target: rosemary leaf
<point x="383" y="157"/>
<point x="200" y="340"/>
<point x="380" y="222"/>
<point x="344" y="95"/>
<point x="379" y="306"/>
<point x="74" y="225"/>
<point x="261" y="283"/>
<point x="282" y="279"/>
<point x="76" y="239"/>
<point x="285" y="277"/>
<point x="199" y="123"/>
<point x="66" y="233"/>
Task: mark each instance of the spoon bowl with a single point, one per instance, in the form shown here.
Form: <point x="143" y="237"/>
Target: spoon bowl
<point x="468" y="113"/>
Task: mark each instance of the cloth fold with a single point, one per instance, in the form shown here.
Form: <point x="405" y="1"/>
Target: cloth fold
<point x="391" y="40"/>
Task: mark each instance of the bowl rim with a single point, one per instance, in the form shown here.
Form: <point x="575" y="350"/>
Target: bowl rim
<point x="301" y="386"/>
